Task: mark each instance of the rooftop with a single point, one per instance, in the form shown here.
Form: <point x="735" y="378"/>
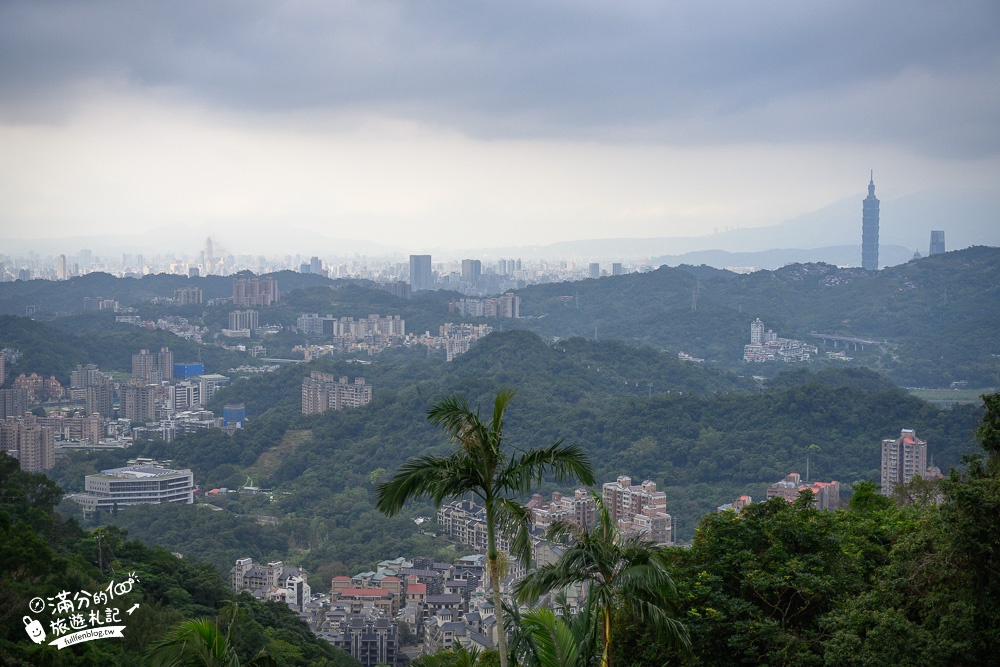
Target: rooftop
<point x="140" y="471"/>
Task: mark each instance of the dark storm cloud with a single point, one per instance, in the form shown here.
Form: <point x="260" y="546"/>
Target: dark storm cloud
<point x="925" y="75"/>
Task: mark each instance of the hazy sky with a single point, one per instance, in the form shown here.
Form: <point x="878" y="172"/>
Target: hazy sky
<point x="453" y="124"/>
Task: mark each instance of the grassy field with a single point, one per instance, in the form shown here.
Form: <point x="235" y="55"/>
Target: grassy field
<point x="951" y="395"/>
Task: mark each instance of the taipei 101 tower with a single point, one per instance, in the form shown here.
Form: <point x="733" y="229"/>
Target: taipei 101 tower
<point x="869" y="228"/>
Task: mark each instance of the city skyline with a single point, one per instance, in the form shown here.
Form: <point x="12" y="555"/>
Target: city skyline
<point x="468" y="127"/>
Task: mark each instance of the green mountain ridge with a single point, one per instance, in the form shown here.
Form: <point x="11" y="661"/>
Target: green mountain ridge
<point x="705" y="437"/>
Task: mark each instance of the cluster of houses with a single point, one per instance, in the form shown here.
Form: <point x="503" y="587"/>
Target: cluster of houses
<point x="441" y="605"/>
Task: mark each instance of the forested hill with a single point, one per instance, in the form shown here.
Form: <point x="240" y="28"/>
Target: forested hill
<point x="935" y="319"/>
<point x="65" y="297"/>
<point x="703" y="436"/>
<point x="55" y="348"/>
<point x="938" y="316"/>
<point x="42" y="554"/>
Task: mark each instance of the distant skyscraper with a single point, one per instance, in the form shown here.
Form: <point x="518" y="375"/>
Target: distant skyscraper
<point x="472" y="269"/>
<point x="209" y="256"/>
<point x="421" y="277"/>
<point x="617" y="269"/>
<point x="62" y="273"/>
<point x="869" y="229"/>
<point x="937" y="243"/>
<point x="595" y="270"/>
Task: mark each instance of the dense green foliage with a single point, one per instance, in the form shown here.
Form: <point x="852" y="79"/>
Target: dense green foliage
<point x="42" y="554"/>
<point x="874" y="584"/>
<point x="56" y="298"/>
<point x="704" y="448"/>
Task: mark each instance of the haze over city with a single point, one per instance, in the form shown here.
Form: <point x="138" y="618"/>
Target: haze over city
<point x="496" y="125"/>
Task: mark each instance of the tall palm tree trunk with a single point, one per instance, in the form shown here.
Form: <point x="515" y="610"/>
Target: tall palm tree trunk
<point x="606" y="655"/>
<point x="491" y="559"/>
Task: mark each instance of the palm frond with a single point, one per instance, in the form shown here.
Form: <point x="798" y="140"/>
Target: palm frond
<point x="194" y="642"/>
<point x="514" y="522"/>
<point x="562" y="461"/>
<point x="553" y="640"/>
<point x="432" y="477"/>
<point x="500" y="403"/>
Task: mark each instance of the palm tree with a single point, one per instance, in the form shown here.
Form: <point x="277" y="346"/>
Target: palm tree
<point x="199" y="642"/>
<point x="483" y="468"/>
<point x="623" y="574"/>
<point x="540" y="638"/>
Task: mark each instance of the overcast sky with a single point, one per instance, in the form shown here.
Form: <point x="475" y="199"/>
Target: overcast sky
<point x="454" y="124"/>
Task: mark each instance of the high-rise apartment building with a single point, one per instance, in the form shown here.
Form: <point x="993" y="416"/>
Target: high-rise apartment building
<point x="937" y="243"/>
<point x="100" y="399"/>
<point x="639" y="508"/>
<point x="165" y="363"/>
<point x="756" y="332"/>
<point x="77" y="427"/>
<point x="902" y="459"/>
<point x="421" y="276"/>
<point x="869" y="229"/>
<point x="251" y="292"/>
<point x="13" y="402"/>
<point x="86" y="376"/>
<point x="617" y="269"/>
<point x="244" y="320"/>
<point x="144" y="367"/>
<point x="185" y="296"/>
<point x="32" y="443"/>
<point x="322" y="392"/>
<point x="152" y="368"/>
<point x="595" y="270"/>
<point x="138" y="402"/>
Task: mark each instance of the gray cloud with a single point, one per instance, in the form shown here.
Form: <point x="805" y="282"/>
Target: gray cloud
<point x="924" y="75"/>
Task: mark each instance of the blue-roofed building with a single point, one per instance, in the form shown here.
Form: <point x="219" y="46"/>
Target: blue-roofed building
<point x="185" y="371"/>
<point x="234" y="415"/>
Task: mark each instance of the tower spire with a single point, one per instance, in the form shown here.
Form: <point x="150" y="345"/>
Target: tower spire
<point x="869" y="227"/>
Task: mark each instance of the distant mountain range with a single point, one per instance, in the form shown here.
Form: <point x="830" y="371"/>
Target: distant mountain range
<point x="832" y="234"/>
